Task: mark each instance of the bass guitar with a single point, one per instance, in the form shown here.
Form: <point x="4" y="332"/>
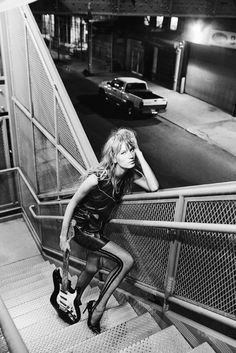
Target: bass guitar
<point x="63" y="298"/>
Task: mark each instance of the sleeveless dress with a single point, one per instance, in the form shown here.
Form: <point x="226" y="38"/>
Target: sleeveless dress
<point x="93" y="212"/>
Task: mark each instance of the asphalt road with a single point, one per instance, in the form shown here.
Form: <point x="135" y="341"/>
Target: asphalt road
<point x="177" y="157"/>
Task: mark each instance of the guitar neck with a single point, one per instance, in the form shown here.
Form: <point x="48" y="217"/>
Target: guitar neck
<point x="65" y="270"/>
<point x="66" y="255"/>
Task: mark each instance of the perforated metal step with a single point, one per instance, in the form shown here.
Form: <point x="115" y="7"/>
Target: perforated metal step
<point x="39" y="268"/>
<point x="27" y="296"/>
<point x="48" y="325"/>
<point x="43" y="300"/>
<point x="120" y="336"/>
<point x="29" y="306"/>
<point x="203" y="348"/>
<point x="22" y="283"/>
<point x="20" y="266"/>
<point x="47" y="311"/>
<point x="71" y="335"/>
<point x="14" y="293"/>
<point x="168" y="340"/>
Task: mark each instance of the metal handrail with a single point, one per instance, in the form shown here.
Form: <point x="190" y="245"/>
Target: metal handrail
<point x="31" y="209"/>
<point x="10" y="332"/>
<point x="43" y="216"/>
<point x="3" y="117"/>
<point x="186" y="191"/>
<point x="202" y="190"/>
<point x="197" y="190"/>
<point x="207" y="227"/>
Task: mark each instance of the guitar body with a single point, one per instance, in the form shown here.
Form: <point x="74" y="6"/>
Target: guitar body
<point x="64" y="301"/>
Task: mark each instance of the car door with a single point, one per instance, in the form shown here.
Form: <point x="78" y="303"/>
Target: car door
<point x="119" y="90"/>
<point x="114" y="91"/>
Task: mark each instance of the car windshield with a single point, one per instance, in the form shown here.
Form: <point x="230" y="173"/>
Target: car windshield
<point x="135" y="86"/>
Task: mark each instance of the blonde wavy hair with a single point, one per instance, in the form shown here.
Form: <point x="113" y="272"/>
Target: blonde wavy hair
<point x="106" y="168"/>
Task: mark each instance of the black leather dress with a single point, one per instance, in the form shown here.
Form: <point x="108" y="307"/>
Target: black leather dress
<point x="92" y="213"/>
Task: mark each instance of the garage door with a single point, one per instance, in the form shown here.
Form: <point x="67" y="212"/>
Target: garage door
<point x="211" y="74"/>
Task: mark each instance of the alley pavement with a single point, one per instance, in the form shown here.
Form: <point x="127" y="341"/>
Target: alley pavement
<point x="195" y="116"/>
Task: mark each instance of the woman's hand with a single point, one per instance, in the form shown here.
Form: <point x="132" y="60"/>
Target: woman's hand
<point x="66" y="236"/>
<point x="64" y="244"/>
<point x="64" y="241"/>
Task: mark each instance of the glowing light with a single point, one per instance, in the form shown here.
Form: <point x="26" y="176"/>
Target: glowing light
<point x="198" y="32"/>
<point x="174" y="23"/>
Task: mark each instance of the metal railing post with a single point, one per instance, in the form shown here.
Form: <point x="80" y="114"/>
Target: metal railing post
<point x="175" y="246"/>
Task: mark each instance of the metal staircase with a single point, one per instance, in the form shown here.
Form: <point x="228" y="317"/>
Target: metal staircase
<point x="26" y="286"/>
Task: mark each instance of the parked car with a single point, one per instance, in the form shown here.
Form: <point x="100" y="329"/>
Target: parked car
<point x="133" y="95"/>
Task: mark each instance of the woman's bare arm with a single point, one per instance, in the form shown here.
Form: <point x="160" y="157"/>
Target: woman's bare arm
<point x="147" y="180"/>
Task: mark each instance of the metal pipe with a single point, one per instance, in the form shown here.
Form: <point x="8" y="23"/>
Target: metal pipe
<point x="4" y="117"/>
<point x="199" y="190"/>
<point x="173" y="257"/>
<point x="24" y="179"/>
<point x="177" y="68"/>
<point x="217" y="189"/>
<point x="11" y="334"/>
<point x="202" y="190"/>
<point x="207" y="227"/>
<point x="43" y="216"/>
<point x="223" y="228"/>
<point x="203" y="311"/>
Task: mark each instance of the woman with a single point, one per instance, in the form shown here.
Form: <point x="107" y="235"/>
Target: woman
<point x="91" y="206"/>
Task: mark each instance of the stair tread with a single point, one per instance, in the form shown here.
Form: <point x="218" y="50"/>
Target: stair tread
<point x="19" y="266"/>
<point x="203" y="348"/>
<point x="45" y="326"/>
<point x="22" y="283"/>
<point x="119" y="336"/>
<point x="168" y="340"/>
<point x="29" y="306"/>
<point x="20" y="276"/>
<point x="42" y="301"/>
<point x="29" y="296"/>
<point x="32" y="291"/>
<point x="47" y="311"/>
<point x="71" y="335"/>
<point x="14" y="293"/>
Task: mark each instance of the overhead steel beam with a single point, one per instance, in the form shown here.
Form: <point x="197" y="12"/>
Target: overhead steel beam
<point x="180" y="8"/>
